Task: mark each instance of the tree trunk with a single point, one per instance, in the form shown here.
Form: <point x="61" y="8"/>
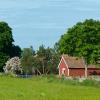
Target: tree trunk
<point x="43" y="67"/>
<point x="85" y="67"/>
<point x="39" y="71"/>
<point x="85" y="71"/>
<point x="46" y="71"/>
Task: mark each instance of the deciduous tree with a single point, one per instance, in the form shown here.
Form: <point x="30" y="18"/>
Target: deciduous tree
<point x="7" y="48"/>
<point x="83" y="39"/>
<point x="27" y="60"/>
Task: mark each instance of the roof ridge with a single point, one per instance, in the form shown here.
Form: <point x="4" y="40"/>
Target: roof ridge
<point x="75" y="62"/>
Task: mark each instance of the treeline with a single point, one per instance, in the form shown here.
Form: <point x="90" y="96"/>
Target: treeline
<point x="12" y="58"/>
<point x="82" y="40"/>
<point x="42" y="61"/>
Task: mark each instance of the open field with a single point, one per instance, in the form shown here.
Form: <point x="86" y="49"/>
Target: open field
<point x="43" y="88"/>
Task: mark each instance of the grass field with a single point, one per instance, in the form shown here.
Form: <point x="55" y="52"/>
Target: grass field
<point x="43" y="88"/>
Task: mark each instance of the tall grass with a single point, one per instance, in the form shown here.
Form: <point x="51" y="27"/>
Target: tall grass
<point x="46" y="88"/>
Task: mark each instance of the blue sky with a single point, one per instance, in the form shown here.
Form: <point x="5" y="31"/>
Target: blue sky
<point x="36" y="22"/>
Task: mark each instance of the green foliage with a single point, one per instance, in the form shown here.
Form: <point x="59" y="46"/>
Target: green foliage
<point x="44" y="61"/>
<point x="47" y="60"/>
<point x="41" y="51"/>
<point x="15" y="51"/>
<point x="6" y="38"/>
<point x="7" y="48"/>
<point x="83" y="39"/>
<point x="27" y="60"/>
<point x="98" y="66"/>
<point x="90" y="83"/>
<point x="3" y="59"/>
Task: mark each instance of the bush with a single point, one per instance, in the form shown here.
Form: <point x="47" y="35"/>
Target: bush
<point x="13" y="66"/>
<point x="88" y="82"/>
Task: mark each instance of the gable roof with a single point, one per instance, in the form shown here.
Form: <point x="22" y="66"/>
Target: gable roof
<point x="75" y="62"/>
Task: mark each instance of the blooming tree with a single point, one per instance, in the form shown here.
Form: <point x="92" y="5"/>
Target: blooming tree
<point x="13" y="65"/>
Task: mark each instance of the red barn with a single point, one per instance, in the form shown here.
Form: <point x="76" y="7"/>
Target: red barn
<point x="74" y="66"/>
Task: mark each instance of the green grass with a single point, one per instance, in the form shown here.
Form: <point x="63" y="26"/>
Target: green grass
<point x="45" y="88"/>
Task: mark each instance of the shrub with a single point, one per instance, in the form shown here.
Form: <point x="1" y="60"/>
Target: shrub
<point x="13" y="66"/>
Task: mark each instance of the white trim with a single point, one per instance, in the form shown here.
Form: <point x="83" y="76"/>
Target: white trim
<point x="65" y="64"/>
<point x="60" y="62"/>
<point x="68" y="71"/>
<point x="59" y="65"/>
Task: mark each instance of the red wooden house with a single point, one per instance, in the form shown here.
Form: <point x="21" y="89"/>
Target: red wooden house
<point x="74" y="66"/>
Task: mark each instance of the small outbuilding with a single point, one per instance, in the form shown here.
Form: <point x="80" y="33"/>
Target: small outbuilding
<point x="74" y="66"/>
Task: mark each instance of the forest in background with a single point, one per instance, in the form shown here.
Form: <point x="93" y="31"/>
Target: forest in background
<point x="81" y="40"/>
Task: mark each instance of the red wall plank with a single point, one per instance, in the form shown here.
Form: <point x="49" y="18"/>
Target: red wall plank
<point x="76" y="72"/>
<point x="61" y="66"/>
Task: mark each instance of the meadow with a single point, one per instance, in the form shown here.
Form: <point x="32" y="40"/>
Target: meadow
<point x="46" y="88"/>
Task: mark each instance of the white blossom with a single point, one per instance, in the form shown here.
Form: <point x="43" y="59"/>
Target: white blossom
<point x="13" y="65"/>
